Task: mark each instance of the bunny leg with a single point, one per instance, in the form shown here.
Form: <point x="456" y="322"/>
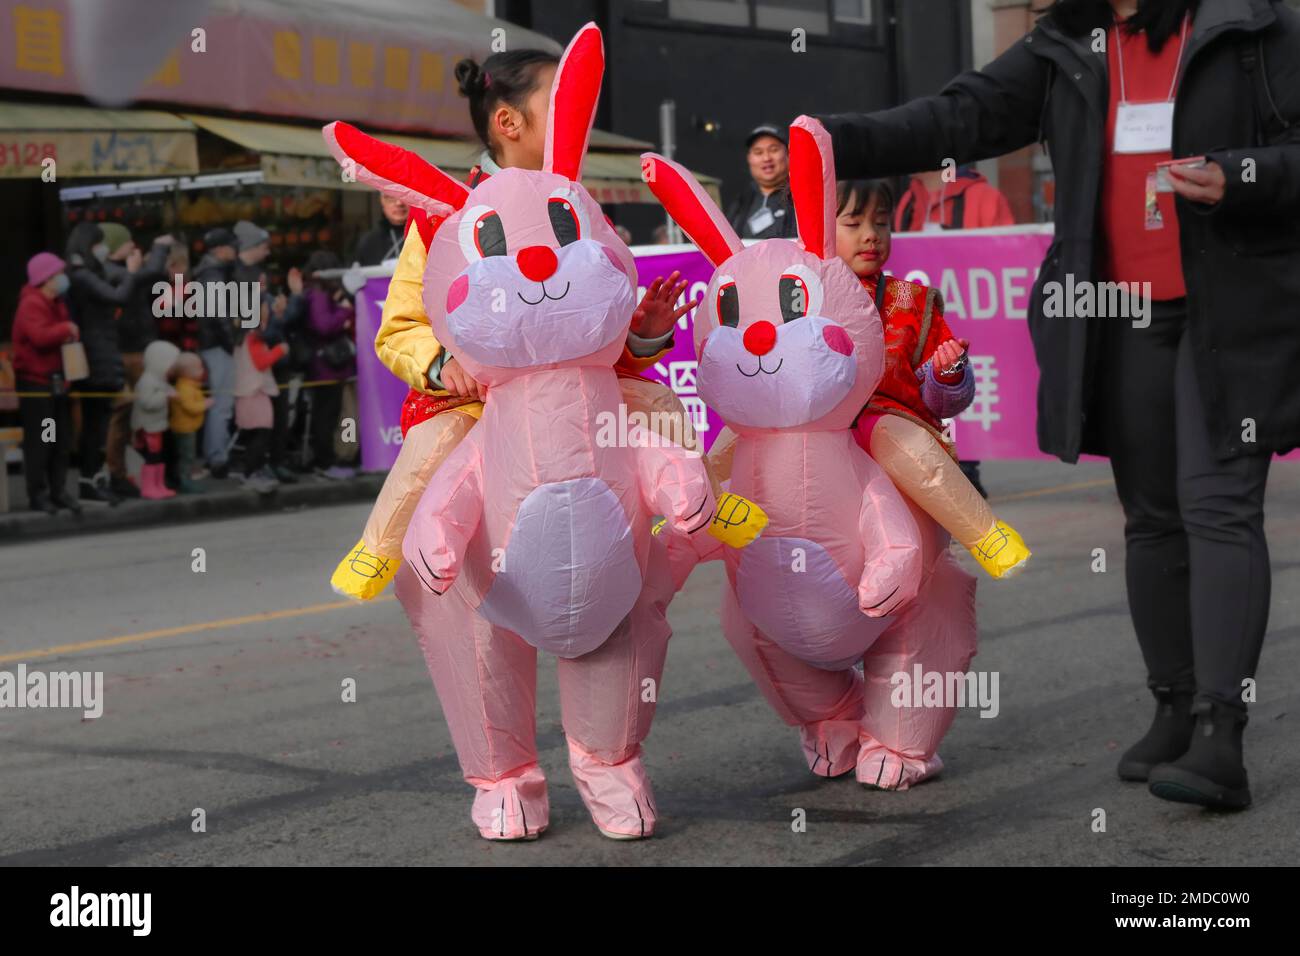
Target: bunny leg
<point x="737" y="521"/>
<point x="927" y="474"/>
<point x="369" y="566"/>
<point x="935" y="633"/>
<point x="486" y="681"/>
<point x="607" y="703"/>
<point x="825" y="705"/>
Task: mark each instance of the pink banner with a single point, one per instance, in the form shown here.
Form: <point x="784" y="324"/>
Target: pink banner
<point x="985" y="277"/>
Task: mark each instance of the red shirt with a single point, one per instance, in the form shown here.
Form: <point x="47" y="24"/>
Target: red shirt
<point x="1133" y="252"/>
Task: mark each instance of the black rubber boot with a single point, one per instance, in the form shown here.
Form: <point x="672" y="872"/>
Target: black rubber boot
<point x="1211" y="773"/>
<point x="1168" y="738"/>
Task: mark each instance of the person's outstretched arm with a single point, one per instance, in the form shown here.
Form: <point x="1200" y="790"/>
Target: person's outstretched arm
<point x="979" y="115"/>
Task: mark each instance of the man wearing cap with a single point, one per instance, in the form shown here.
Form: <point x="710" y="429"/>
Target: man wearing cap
<point x="41" y="326"/>
<point x="254" y="244"/>
<point x="217" y="347"/>
<point x="763" y="210"/>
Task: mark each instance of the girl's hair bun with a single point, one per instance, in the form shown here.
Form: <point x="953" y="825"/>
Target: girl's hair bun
<point x="470" y="78"/>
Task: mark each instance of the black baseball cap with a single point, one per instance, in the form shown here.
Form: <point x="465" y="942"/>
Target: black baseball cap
<point x="766" y="129"/>
<point x="219" y="237"/>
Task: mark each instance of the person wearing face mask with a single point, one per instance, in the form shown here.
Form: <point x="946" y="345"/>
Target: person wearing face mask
<point x="41" y="326"/>
<point x="96" y="298"/>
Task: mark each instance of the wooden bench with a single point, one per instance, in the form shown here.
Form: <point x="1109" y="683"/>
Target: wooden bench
<point x="8" y="437"/>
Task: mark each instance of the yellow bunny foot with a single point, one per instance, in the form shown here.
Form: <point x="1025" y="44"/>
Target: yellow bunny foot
<point x="362" y="575"/>
<point x="1001" y="552"/>
<point x="737" y="522"/>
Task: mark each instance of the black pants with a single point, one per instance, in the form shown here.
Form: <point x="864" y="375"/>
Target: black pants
<point x="326" y="406"/>
<point x="257" y="442"/>
<point x="96" y="413"/>
<point x="280" y="426"/>
<point x="45" y="463"/>
<point x="1197" y="565"/>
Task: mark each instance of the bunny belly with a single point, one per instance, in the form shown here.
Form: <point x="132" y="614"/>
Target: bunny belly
<point x="569" y="571"/>
<point x="794" y="591"/>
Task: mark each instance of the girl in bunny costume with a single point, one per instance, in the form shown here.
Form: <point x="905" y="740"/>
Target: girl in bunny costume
<point x="533" y="533"/>
<point x="790" y="349"/>
<point x="508" y="108"/>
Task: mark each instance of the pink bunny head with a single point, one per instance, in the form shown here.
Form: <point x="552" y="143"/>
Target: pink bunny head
<point x="787" y="338"/>
<point x="524" y="272"/>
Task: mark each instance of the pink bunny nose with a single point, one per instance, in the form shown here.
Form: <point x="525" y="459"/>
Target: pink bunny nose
<point x="838" y="339"/>
<point x="760" y="338"/>
<point x="538" y="262"/>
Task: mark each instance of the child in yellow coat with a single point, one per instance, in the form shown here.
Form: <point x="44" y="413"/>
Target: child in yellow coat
<point x="185" y="416"/>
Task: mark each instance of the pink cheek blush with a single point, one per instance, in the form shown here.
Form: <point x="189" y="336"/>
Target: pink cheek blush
<point x="609" y="254"/>
<point x="457" y="294"/>
<point x="838" y="339"/>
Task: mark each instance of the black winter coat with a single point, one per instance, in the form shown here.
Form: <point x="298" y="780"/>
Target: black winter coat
<point x="95" y="300"/>
<point x="215" y="331"/>
<point x="1238" y="102"/>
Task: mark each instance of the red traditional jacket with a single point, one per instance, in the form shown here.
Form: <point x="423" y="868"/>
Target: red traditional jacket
<point x="912" y="315"/>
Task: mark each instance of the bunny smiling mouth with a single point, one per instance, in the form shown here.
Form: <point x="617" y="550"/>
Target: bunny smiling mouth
<point x="545" y="295"/>
<point x="760" y="368"/>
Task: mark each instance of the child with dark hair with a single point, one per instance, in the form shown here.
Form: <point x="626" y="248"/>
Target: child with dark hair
<point x="509" y="102"/>
<point x="926" y="379"/>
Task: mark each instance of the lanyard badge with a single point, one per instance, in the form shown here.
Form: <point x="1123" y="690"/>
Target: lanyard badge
<point x="1145" y="127"/>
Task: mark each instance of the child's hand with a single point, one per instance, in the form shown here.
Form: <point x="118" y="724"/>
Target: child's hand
<point x="460" y="383"/>
<point x="656" y="314"/>
<point x="947" y="355"/>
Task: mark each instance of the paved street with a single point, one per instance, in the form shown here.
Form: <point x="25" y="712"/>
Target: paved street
<point x="223" y="692"/>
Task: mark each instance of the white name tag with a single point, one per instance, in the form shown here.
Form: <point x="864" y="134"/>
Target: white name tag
<point x="1144" y="128"/>
<point x="761" y="220"/>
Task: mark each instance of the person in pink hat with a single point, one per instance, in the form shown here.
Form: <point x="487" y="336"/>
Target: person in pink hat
<point x="41" y="326"/>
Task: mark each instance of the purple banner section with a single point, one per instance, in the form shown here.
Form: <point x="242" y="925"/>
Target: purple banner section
<point x="380" y="393"/>
<point x="985" y="277"/>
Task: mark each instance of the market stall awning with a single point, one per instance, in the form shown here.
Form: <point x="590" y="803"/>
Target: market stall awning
<point x="297" y="156"/>
<point x="86" y="142"/>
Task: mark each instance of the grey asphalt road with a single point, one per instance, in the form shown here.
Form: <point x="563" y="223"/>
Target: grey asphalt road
<point x="223" y="693"/>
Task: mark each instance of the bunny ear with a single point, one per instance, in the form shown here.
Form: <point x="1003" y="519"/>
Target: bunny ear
<point x="691" y="208"/>
<point x="573" y="103"/>
<point x="396" y="171"/>
<point x="812" y="185"/>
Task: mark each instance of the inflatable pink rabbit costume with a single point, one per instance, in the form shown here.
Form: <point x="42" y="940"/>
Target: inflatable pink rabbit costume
<point x="532" y="534"/>
<point x="790" y="349"/>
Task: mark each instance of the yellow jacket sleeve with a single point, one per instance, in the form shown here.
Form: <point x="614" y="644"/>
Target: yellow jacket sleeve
<point x="405" y="343"/>
<point x="637" y="363"/>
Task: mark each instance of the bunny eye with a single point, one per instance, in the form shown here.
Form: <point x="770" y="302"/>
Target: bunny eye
<point x="727" y="303"/>
<point x="566" y="221"/>
<point x="800" y="293"/>
<point x="481" y="234"/>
